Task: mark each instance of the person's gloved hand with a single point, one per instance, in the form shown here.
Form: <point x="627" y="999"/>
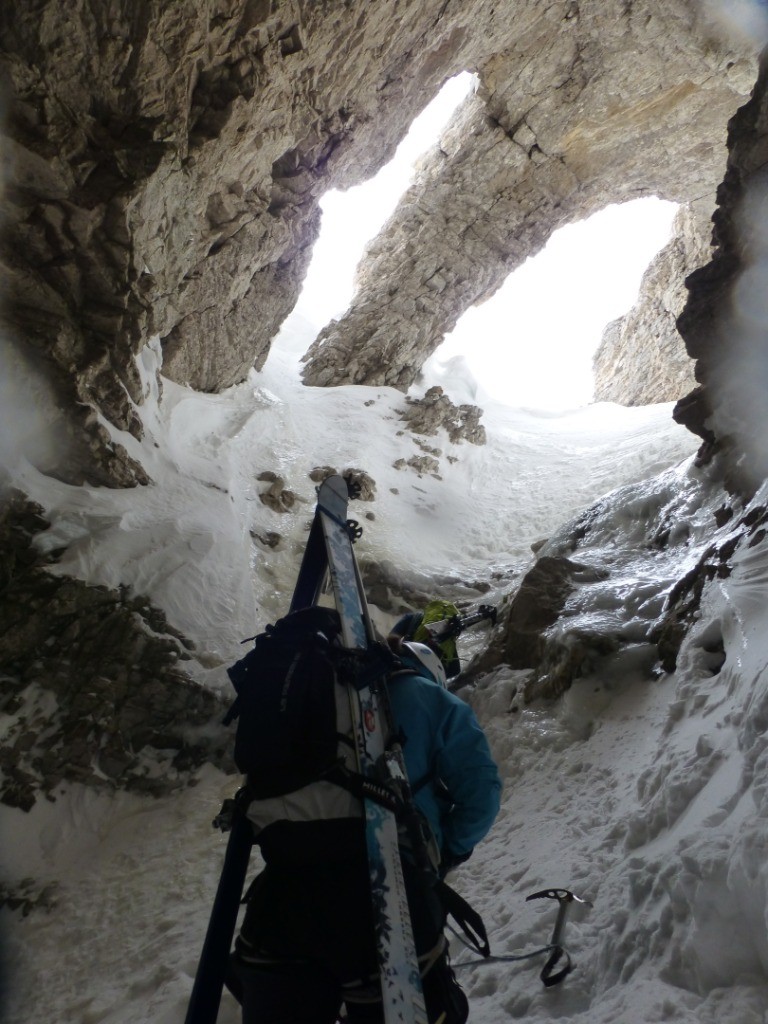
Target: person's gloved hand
<point x="455" y="627"/>
<point x="489" y="611"/>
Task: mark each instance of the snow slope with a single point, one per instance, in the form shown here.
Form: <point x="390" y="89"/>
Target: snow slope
<point x="644" y="796"/>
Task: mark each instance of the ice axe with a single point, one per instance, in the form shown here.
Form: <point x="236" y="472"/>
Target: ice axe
<point x="554" y="948"/>
<point x="564" y="898"/>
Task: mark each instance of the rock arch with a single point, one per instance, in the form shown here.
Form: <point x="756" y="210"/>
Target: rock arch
<point x="166" y="165"/>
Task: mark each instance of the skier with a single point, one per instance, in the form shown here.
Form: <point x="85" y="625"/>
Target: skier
<point x="413" y="626"/>
<point x="307" y="943"/>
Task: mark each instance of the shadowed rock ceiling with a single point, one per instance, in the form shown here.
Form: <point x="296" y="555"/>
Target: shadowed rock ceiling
<point x="165" y="162"/>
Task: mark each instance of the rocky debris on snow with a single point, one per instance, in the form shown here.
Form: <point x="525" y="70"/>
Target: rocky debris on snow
<point x="422" y="465"/>
<point x="277" y="496"/>
<point x="94" y="685"/>
<point x="428" y="449"/>
<point x="270" y="539"/>
<point x="28" y="895"/>
<point x="435" y="412"/>
<point x="641" y="359"/>
<point x="358" y="478"/>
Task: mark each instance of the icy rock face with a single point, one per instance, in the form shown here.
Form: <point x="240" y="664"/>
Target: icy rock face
<point x="598" y="588"/>
<point x="396" y="589"/>
<point x="164" y="170"/>
<point x="724" y="320"/>
<point x="94" y="687"/>
<point x="642" y="359"/>
<point x="537" y="604"/>
<point x="623" y="583"/>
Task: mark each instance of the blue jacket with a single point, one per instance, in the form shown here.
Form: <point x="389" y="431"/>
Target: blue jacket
<point x="443" y="740"/>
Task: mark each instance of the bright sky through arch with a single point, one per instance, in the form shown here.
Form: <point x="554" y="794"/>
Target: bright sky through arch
<point x="532" y="343"/>
<point x="352" y="218"/>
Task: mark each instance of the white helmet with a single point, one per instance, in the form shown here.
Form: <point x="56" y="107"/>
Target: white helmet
<point x="424" y="660"/>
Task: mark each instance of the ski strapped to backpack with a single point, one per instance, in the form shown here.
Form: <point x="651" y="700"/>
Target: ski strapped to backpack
<point x="206" y="993"/>
<point x="380" y="759"/>
<point x="287" y="678"/>
<point x="286" y="736"/>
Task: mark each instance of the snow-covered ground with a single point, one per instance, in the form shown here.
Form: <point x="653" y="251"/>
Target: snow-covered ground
<point x="644" y="796"/>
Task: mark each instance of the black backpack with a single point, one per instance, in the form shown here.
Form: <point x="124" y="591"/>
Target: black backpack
<point x="286" y="703"/>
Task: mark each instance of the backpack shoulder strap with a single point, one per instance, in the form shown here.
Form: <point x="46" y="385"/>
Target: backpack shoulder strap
<point x="466" y="917"/>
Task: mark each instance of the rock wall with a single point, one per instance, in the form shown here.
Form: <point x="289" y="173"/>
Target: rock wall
<point x="726" y="316"/>
<point x="590" y="104"/>
<point x="94" y="686"/>
<point x="642" y="358"/>
<point x="552" y="628"/>
<point x="164" y="164"/>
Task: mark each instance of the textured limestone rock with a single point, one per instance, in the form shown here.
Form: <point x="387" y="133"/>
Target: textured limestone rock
<point x="435" y="411"/>
<point x="537" y="604"/>
<point x="724" y="320"/>
<point x="642" y="358"/>
<point x="361" y="482"/>
<point x="277" y="496"/>
<point x="165" y="166"/>
<point x="94" y="685"/>
<point x="166" y="160"/>
<point x="422" y="465"/>
<point x="588" y="104"/>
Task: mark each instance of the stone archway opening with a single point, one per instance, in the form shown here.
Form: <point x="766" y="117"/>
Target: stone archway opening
<point x="352" y="218"/>
<point x="534" y="341"/>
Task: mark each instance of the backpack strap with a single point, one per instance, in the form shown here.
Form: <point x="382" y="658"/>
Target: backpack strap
<point x="465" y="917"/>
<point x="364" y="788"/>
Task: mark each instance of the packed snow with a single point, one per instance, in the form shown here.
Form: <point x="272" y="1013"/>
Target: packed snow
<point x="641" y="792"/>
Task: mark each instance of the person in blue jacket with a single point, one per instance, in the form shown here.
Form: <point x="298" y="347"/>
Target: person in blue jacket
<point x="444" y="747"/>
<point x="306" y="946"/>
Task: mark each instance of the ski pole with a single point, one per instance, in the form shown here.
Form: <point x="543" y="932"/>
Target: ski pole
<point x="204" y="1001"/>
